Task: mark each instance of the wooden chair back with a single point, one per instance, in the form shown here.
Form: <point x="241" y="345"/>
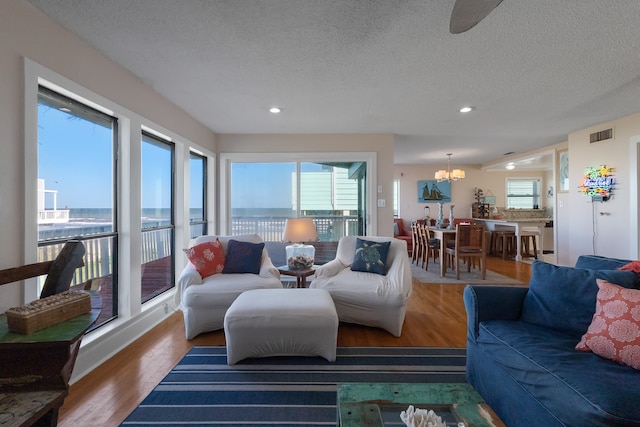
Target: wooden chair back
<point x="415" y="252"/>
<point x="470" y="243"/>
<point x="470" y="238"/>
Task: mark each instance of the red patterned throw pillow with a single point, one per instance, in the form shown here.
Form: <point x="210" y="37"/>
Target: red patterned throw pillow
<point x="632" y="266"/>
<point x="207" y="257"/>
<point x="614" y="332"/>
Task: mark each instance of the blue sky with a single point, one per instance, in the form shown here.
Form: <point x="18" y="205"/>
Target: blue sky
<point x="71" y="159"/>
<point x="74" y="158"/>
<point x="266" y="185"/>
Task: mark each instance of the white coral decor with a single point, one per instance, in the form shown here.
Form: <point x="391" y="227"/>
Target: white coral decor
<point x="415" y="417"/>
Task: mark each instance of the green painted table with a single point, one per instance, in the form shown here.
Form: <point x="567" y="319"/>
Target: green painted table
<point x="35" y="369"/>
<point x="380" y="404"/>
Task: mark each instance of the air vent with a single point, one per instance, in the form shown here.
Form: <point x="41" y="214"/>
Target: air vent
<point x="601" y="136"/>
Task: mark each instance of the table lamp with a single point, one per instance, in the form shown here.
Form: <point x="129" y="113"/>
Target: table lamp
<point x="298" y="231"/>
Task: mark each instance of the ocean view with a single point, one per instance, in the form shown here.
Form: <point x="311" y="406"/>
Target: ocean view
<point x="83" y="221"/>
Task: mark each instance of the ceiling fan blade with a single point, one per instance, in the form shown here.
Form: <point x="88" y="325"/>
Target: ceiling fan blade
<point x="467" y="13"/>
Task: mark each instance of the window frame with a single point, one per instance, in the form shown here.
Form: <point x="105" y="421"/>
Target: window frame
<point x="227" y="159"/>
<point x="165" y="142"/>
<point x="92" y="115"/>
<point x="396" y="198"/>
<point x="130" y="310"/>
<point x="204" y="222"/>
<point x="536" y="196"/>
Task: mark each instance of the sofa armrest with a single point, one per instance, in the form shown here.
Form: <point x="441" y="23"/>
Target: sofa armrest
<point x="330" y="269"/>
<point x="188" y="277"/>
<point x="399" y="274"/>
<point x="491" y="303"/>
<point x="267" y="269"/>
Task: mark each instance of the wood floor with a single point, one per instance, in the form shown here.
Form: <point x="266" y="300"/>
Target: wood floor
<point x="435" y="318"/>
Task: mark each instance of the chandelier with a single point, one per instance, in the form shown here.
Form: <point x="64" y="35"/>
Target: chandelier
<point x="449" y="175"/>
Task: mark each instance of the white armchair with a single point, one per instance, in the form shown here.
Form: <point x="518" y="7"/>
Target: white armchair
<point x="204" y="302"/>
<point x="368" y="298"/>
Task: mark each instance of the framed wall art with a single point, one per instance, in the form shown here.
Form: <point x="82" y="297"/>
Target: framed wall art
<point x="432" y="191"/>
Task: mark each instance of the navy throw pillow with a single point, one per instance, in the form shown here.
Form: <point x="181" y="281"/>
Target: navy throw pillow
<point x="243" y="257"/>
<point x="564" y="298"/>
<point x="371" y="257"/>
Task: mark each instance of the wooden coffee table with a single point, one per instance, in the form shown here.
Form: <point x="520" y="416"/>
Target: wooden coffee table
<point x="300" y="275"/>
<point x="380" y="404"/>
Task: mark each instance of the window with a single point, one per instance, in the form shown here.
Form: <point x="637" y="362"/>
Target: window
<point x="157" y="216"/>
<point x="197" y="195"/>
<point x="523" y="193"/>
<point x="396" y="198"/>
<point x="263" y="195"/>
<point x="330" y="193"/>
<point x="261" y="198"/>
<point x="76" y="190"/>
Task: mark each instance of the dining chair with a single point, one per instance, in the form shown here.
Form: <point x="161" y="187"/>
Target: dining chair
<point x="430" y="247"/>
<point x="433" y="246"/>
<point x="424" y="248"/>
<point x="470" y="243"/>
<point x="415" y="244"/>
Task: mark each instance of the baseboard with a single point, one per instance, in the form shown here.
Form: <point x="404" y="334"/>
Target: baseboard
<point x="100" y="345"/>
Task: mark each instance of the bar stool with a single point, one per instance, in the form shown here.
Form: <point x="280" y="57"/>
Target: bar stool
<point x="526" y="237"/>
<point x="503" y="242"/>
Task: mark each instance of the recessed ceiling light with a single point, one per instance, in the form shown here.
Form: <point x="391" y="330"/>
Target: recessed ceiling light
<point x="467" y="109"/>
<point x="510" y="166"/>
<point x="275" y="110"/>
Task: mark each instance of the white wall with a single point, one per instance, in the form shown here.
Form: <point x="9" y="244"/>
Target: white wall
<point x="614" y="233"/>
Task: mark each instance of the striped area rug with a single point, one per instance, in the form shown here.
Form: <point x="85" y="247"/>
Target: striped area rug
<point x="283" y="391"/>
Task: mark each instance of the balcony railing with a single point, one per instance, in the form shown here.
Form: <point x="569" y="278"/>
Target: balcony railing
<point x="271" y="229"/>
<point x="157" y="269"/>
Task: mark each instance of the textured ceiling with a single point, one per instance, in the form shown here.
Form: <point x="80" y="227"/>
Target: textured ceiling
<point x="534" y="70"/>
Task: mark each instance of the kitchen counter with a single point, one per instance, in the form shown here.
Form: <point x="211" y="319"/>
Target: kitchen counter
<point x="543" y="219"/>
<point x="518" y="225"/>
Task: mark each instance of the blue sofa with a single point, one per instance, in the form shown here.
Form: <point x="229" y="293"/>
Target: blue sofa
<point x="521" y="353"/>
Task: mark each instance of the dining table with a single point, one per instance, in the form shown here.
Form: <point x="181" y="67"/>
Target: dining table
<point x="444" y="235"/>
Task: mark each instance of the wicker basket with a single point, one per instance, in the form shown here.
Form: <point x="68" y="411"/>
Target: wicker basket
<point x="49" y="311"/>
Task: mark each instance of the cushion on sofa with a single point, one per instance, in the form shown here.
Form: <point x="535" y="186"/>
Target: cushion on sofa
<point x="545" y="363"/>
<point x="564" y="298"/>
<point x="614" y="332"/>
<point x="243" y="257"/>
<point x="206" y="257"/>
<point x="631" y="266"/>
<point x="596" y="262"/>
<point x="371" y="257"/>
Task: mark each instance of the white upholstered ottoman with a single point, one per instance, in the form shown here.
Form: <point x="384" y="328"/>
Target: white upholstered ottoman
<point x="281" y="322"/>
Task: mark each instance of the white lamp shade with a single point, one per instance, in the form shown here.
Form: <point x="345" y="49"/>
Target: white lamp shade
<point x="300" y="230"/>
<point x="458" y="174"/>
<point x="449" y="175"/>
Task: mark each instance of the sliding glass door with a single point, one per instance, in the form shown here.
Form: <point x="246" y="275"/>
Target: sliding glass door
<point x="262" y="195"/>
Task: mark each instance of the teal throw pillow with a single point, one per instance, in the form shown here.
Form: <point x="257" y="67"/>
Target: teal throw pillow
<point x="371" y="257"/>
<point x="243" y="257"/>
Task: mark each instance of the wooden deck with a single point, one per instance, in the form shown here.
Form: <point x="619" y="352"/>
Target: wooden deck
<point x="156" y="279"/>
